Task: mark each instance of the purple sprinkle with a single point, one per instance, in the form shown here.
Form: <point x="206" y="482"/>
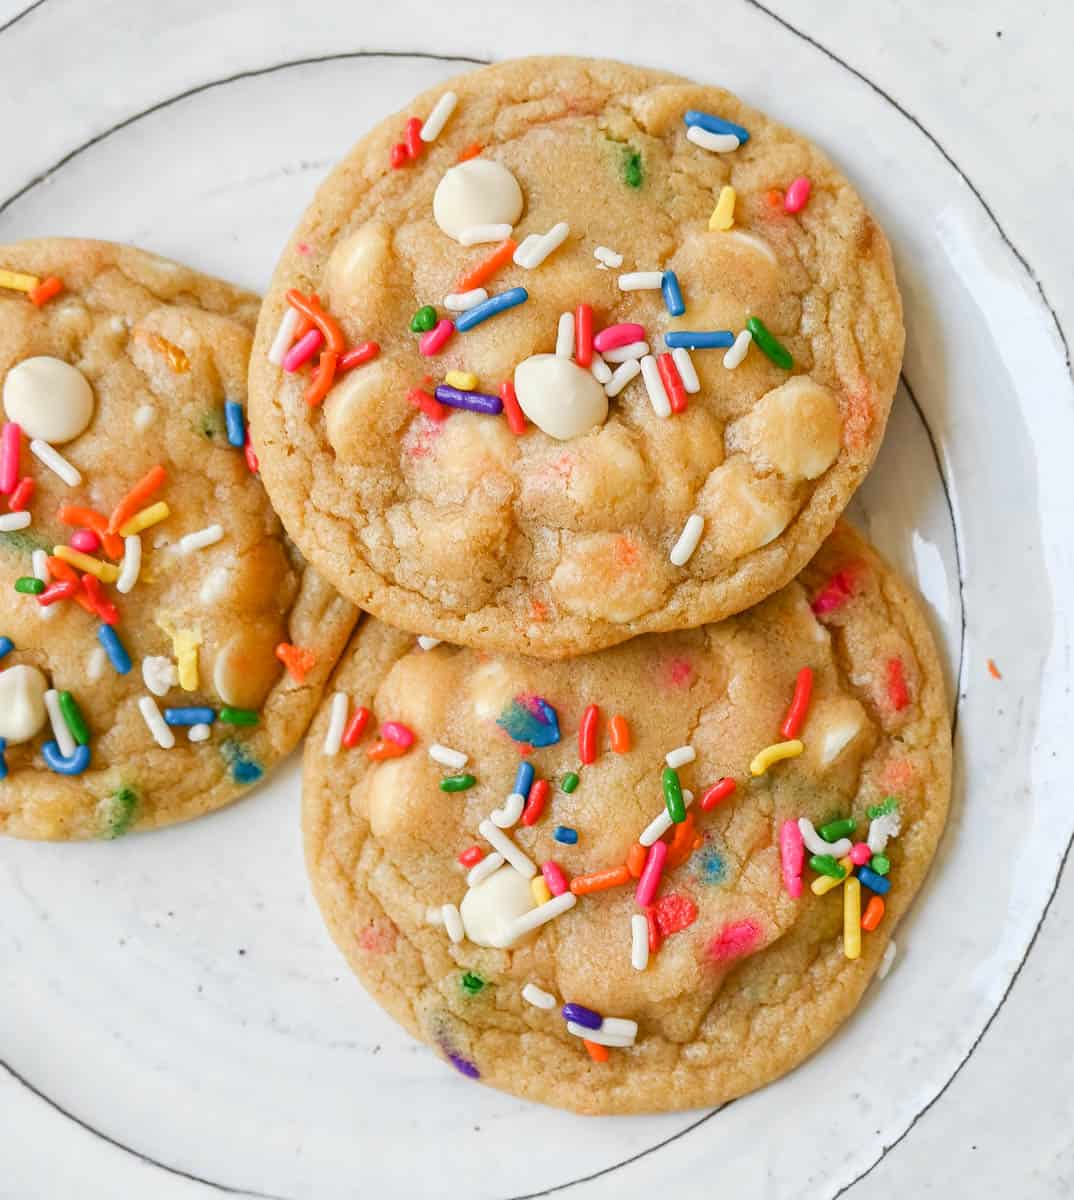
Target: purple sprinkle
<point x="474" y="401"/>
<point x="464" y="1066"/>
<point x="581" y="1015"/>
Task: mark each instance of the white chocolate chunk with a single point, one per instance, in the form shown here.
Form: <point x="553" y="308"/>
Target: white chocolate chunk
<point x="559" y="397"/>
<point x="477" y="192"/>
<point x="22" y="703"/>
<point x="489" y="908"/>
<point x="794" y="429"/>
<point x="159" y="673"/>
<point x="49" y="398"/>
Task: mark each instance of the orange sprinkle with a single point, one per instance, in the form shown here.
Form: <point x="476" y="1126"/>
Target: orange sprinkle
<point x="599" y="881"/>
<point x="487" y="267"/>
<point x="176" y="355"/>
<point x="45" y="290"/>
<point x="874" y="911"/>
<point x="597" y="1052"/>
<point x="135" y="499"/>
<point x="76" y="514"/>
<point x="471" y="151"/>
<point x="298" y="661"/>
<point x="681" y="845"/>
<point x="323" y="378"/>
<point x="310" y="306"/>
<point x="381" y="750"/>
<point x="619" y="734"/>
<point x="993" y="670"/>
<point x="65" y="573"/>
<point x="635" y="860"/>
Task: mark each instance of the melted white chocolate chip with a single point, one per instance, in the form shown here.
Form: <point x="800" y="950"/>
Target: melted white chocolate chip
<point x="489" y="909"/>
<point x="477" y="192"/>
<point x="22" y="703"/>
<point x="49" y="398"/>
<point x="559" y="397"/>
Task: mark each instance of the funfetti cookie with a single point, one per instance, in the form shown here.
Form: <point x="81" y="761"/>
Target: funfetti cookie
<point x="571" y="351"/>
<point x="654" y="877"/>
<point x="162" y="644"/>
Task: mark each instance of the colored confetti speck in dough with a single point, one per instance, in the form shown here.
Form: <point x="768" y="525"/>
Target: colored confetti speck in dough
<point x="993" y="670"/>
<point x="632" y="169"/>
<point x="24" y="543"/>
<point x="118" y="812"/>
<point x="211" y="424"/>
<point x="709" y="866"/>
<point x="243" y="768"/>
<point x="471" y="983"/>
<point x="678" y="672"/>
<point x="530" y="720"/>
<point x="377" y="939"/>
<point x="735" y="939"/>
<point x="674" y="913"/>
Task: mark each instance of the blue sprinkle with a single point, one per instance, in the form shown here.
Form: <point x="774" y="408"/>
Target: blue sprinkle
<point x="189" y="716"/>
<point x="565" y="834"/>
<point x="74" y="765"/>
<point x="6" y="646"/>
<point x="705" y="120"/>
<point x="496" y="304"/>
<point x="669" y="285"/>
<point x="530" y="720"/>
<point x="113" y="647"/>
<point x="523" y="779"/>
<point x="703" y="339"/>
<point x="3" y="760"/>
<point x="875" y="883"/>
<point x="580" y="1015"/>
<point x="236" y="423"/>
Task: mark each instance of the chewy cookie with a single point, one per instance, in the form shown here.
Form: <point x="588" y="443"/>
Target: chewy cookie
<point x="148" y="595"/>
<point x="602" y="352"/>
<point x="651" y="878"/>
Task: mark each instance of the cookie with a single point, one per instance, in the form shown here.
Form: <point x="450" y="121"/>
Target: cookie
<point x="688" y="821"/>
<point x="149" y="598"/>
<point x="468" y="466"/>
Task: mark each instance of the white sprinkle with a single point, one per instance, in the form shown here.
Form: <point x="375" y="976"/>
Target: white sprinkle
<point x="620" y="354"/>
<point x="427" y="643"/>
<point x="641" y="281"/>
<point x="685" y="364"/>
<point x="143" y="417"/>
<point x="525" y="248"/>
<point x="453" y="922"/>
<point x="337" y="721"/>
<point x="447" y="757"/>
<point x="565" y="335"/>
<point x="619" y="1027"/>
<point x="535" y="918"/>
<point x="536" y="252"/>
<point x="159" y="673"/>
<point x="639" y="942"/>
<point x="607" y="257"/>
<point x="683" y="550"/>
<point x="39" y="558"/>
<point x="461" y="301"/>
<point x="477" y="235"/>
<point x="881" y="828"/>
<point x="654" y="385"/>
<point x="437" y="119"/>
<point x="434" y="915"/>
<point x="55" y="461"/>
<point x="507" y="816"/>
<point x="721" y="143"/>
<point x="147" y="706"/>
<point x="501" y="842"/>
<point x="599" y="1036"/>
<point x="538" y="997"/>
<point x="489" y="865"/>
<point x="738" y="351"/>
<point x="9" y="522"/>
<point x="60" y="732"/>
<point x="131" y="565"/>
<point x="621" y="376"/>
<point x="208" y="536"/>
<point x="285" y="335"/>
<point x="599" y="369"/>
<point x="680" y="757"/>
<point x="815" y="844"/>
<point x="886" y="961"/>
<point x="199" y="733"/>
<point x="661" y="823"/>
<point x="95" y="664"/>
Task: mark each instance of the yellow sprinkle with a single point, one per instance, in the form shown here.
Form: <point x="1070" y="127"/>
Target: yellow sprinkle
<point x="17" y="281"/>
<point x="105" y="572"/>
<point x="465" y="381"/>
<point x="723" y="215"/>
<point x="152" y="515"/>
<point x="186" y="643"/>
<point x="539" y="888"/>
<point x="774" y="754"/>
<point x="852" y="917"/>
<point x="823" y="884"/>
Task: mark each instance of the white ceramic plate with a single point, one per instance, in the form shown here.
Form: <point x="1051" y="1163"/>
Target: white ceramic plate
<point x="175" y="993"/>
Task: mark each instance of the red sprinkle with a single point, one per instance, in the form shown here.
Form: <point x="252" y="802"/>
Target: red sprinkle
<point x="24" y="491"/>
<point x="587" y="735"/>
<point x="674" y="913"/>
<point x="397" y="732"/>
<point x="716" y="793"/>
<point x="358" y="355"/>
<point x="516" y="418"/>
<point x="655" y="937"/>
<point x="672" y="380"/>
<point x="250" y="456"/>
<point x="835" y="593"/>
<point x="352" y="735"/>
<point x="898" y="693"/>
<point x="796" y="714"/>
<point x="102" y="606"/>
<point x="45" y="290"/>
<point x="412" y="137"/>
<point x="400" y="158"/>
<point x="63" y="590"/>
<point x="429" y="405"/>
<point x="583" y="335"/>
<point x="538" y="798"/>
<point x="471" y="856"/>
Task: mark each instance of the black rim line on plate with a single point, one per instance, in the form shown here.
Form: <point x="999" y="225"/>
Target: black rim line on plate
<point x="186" y="94"/>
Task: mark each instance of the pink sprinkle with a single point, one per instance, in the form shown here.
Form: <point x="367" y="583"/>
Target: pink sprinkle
<point x="651" y="873"/>
<point x="860" y="853"/>
<point x="10" y="443"/>
<point x="792" y="856"/>
<point x="303" y="350"/>
<point x="554" y="877"/>
<point x="397" y="732"/>
<point x="736" y="939"/>
<point x="434" y="341"/>
<point x="797" y="195"/>
<point x="618" y="335"/>
<point x="86" y="541"/>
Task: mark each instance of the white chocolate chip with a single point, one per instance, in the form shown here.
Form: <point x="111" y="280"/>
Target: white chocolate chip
<point x="477" y="192"/>
<point x="159" y="674"/>
<point x="49" y="398"/>
<point x="22" y="703"/>
<point x="488" y="909"/>
<point x="559" y="397"/>
<point x="794" y="429"/>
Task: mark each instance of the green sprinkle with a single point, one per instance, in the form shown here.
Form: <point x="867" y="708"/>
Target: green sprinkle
<point x="72" y="714"/>
<point x="880" y="863"/>
<point x="824" y="864"/>
<point x="633" y="170"/>
<point x="570" y="782"/>
<point x="423" y="320"/>
<point x="835" y="830"/>
<point x="29" y="586"/>
<point x="238" y="716"/>
<point x="888" y="805"/>
<point x="119" y="812"/>
<point x="673" y="795"/>
<point x="471" y="983"/>
<point x="768" y="345"/>
<point x="457" y="783"/>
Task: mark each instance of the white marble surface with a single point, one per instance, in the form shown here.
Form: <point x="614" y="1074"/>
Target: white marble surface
<point x="1001" y="109"/>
